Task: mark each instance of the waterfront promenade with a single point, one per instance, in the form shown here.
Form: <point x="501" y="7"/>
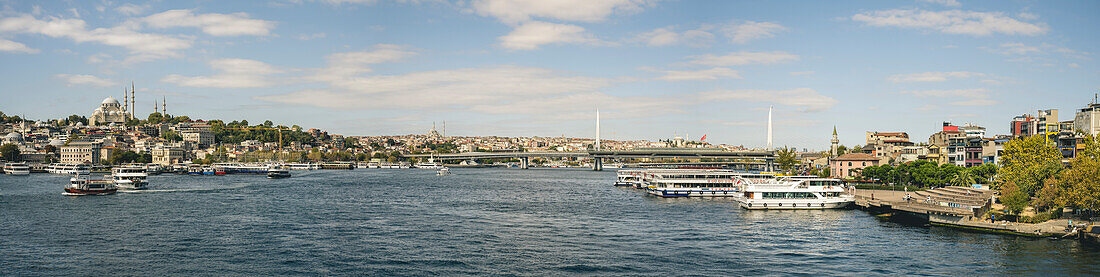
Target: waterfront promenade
<point x="890" y="201"/>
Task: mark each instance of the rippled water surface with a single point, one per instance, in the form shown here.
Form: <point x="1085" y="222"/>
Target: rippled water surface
<point x="475" y="221"/>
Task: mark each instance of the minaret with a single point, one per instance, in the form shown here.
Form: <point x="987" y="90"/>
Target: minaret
<point x="132" y="96"/>
<point x="835" y="143"/>
<point x="155" y="108"/>
<point x="770" y="127"/>
<point x="443" y="132"/>
<point x="125" y="101"/>
<point x="164" y="105"/>
<point x="597" y="129"/>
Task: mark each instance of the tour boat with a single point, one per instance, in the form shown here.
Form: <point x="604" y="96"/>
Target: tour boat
<point x="694" y="183"/>
<point x="69" y="169"/>
<point x="17" y="169"/>
<point x="628" y="178"/>
<point x="429" y="165"/>
<point x="99" y="169"/>
<point x="276" y="172"/>
<point x="444" y="171"/>
<point x="153" y="169"/>
<point x="78" y="185"/>
<point x="303" y="166"/>
<point x="129" y="177"/>
<point x="788" y="194"/>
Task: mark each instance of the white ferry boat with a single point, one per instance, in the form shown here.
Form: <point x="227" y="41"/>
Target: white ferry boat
<point x="129" y="177"/>
<point x="303" y="166"/>
<point x="628" y="178"/>
<point x="17" y="169"/>
<point x="789" y="194"/>
<point x="444" y="171"/>
<point x="429" y="165"/>
<point x="69" y="169"/>
<point x="154" y="169"/>
<point x="78" y="185"/>
<point x="694" y="183"/>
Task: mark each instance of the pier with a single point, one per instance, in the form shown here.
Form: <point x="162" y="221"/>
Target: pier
<point x="958" y="207"/>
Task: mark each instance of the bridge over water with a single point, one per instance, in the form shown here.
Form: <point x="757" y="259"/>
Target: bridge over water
<point x="765" y="157"/>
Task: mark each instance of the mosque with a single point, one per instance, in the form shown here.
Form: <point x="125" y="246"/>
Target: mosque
<point x="111" y="111"/>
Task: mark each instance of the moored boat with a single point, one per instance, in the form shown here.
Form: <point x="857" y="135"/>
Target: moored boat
<point x="694" y="183"/>
<point x="17" y="169"/>
<point x="787" y="194"/>
<point x="628" y="178"/>
<point x="444" y="171"/>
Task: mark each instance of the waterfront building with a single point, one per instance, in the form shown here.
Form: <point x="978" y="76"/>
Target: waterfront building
<point x="848" y="165"/>
<point x="1047" y="122"/>
<point x="951" y="144"/>
<point x="1023" y="125"/>
<point x="109" y="111"/>
<point x="992" y="148"/>
<point x="887" y="146"/>
<point x="1088" y="119"/>
<point x="167" y="155"/>
<point x="200" y="137"/>
<point x="81" y="151"/>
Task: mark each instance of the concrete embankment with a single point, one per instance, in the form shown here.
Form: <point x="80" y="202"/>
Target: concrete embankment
<point x="957" y="207"/>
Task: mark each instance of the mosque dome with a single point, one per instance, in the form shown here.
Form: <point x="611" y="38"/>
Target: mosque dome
<point x="57" y="142"/>
<point x="110" y="100"/>
<point x="13" y="136"/>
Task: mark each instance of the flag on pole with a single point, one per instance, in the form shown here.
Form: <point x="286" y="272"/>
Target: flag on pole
<point x="704" y="137"/>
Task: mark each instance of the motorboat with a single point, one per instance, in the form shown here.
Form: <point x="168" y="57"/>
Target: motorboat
<point x="277" y="172"/>
<point x="79" y="185"/>
<point x="444" y="171"/>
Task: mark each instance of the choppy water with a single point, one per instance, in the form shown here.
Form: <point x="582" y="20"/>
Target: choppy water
<point x="475" y="221"/>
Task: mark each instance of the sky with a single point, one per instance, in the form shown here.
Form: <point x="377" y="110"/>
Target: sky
<point x="654" y="69"/>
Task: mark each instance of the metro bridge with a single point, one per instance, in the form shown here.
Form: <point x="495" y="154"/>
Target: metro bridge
<point x="766" y="157"/>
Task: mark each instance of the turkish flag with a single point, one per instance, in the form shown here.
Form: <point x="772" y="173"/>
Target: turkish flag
<point x="704" y="137"/>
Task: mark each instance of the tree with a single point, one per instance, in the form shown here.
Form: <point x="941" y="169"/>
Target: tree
<point x="9" y="152"/>
<point x="171" y="136"/>
<point x="786" y="159"/>
<point x="1013" y="197"/>
<point x="1028" y="161"/>
<point x="963" y="179"/>
<point x="1079" y="186"/>
<point x="315" y="155"/>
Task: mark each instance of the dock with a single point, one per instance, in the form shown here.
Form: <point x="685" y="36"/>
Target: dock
<point x="958" y="207"/>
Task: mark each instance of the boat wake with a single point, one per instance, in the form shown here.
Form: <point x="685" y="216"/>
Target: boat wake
<point x="184" y="189"/>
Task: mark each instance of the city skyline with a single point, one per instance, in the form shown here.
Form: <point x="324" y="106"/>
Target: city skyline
<point x="523" y="68"/>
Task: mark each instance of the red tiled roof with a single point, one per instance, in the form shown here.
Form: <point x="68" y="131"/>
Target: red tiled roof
<point x="855" y="157"/>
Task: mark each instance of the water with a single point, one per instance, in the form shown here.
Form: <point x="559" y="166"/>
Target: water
<point x="475" y="221"/>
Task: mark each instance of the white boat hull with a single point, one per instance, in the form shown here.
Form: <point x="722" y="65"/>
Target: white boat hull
<point x="792" y="204"/>
<point x="731" y="192"/>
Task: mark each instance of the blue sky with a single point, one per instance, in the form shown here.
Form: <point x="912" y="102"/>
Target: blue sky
<point x="540" y="68"/>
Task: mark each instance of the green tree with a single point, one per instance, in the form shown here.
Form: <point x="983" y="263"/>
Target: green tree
<point x="786" y="159"/>
<point x="963" y="179"/>
<point x="1013" y="197"/>
<point x="9" y="152"/>
<point x="315" y="155"/>
<point x="1079" y="186"/>
<point x="171" y="136"/>
<point x="1028" y="161"/>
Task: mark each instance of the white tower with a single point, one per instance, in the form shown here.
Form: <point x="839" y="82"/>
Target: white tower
<point x="770" y="127"/>
<point x="597" y="129"/>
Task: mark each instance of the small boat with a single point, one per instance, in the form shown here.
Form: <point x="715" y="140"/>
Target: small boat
<point x="129" y="177"/>
<point x="79" y="185"/>
<point x="207" y="170"/>
<point x="628" y="178"/>
<point x="444" y="171"/>
<point x="17" y="169"/>
<point x="277" y="172"/>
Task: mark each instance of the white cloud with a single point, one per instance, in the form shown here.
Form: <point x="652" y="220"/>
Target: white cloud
<point x="85" y="80"/>
<point x="806" y="99"/>
<point x="751" y="30"/>
<point x="949" y="3"/>
<point x="1016" y="48"/>
<point x="802" y="73"/>
<point x="531" y="35"/>
<point x="1027" y="16"/>
<point x="311" y="36"/>
<point x="342" y="68"/>
<point x="699" y="75"/>
<point x="951" y="22"/>
<point x="15" y="47"/>
<point x="932" y="76"/>
<point x="143" y="46"/>
<point x="517" y="11"/>
<point x="215" y="24"/>
<point x="744" y="58"/>
<point x="976" y="102"/>
<point x="132" y="9"/>
<point x="233" y="73"/>
<point x="669" y="36"/>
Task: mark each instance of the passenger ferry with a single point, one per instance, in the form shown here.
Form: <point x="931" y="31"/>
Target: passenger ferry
<point x="694" y="183"/>
<point x="69" y="169"/>
<point x="99" y="169"/>
<point x="303" y="166"/>
<point x="277" y="172"/>
<point x="628" y="178"/>
<point x="153" y="169"/>
<point x="797" y="193"/>
<point x="17" y="169"/>
<point x="444" y="171"/>
<point x="129" y="177"/>
<point x="79" y="185"/>
<point x="429" y="165"/>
